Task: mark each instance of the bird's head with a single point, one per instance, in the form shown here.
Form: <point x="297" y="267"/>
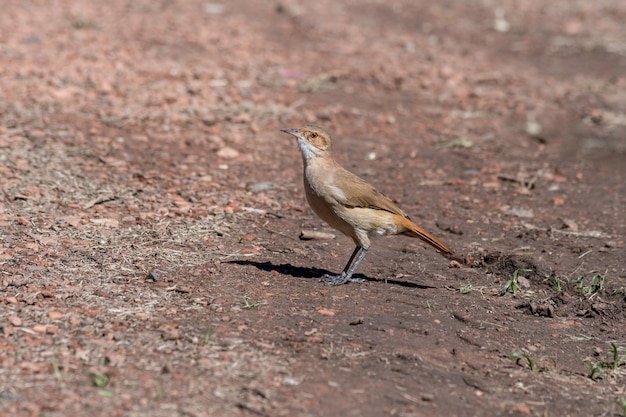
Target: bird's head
<point x="312" y="140"/>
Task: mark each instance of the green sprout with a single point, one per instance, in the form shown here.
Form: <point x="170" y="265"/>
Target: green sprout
<point x="466" y="289"/>
<point x="533" y="365"/>
<point x="555" y="283"/>
<point x="580" y="283"/>
<point x="518" y="356"/>
<point x="512" y="283"/>
<point x="597" y="285"/>
<point x="248" y="304"/>
<point x="100" y="380"/>
<point x="207" y="335"/>
<point x="614" y="359"/>
<point x="58" y="374"/>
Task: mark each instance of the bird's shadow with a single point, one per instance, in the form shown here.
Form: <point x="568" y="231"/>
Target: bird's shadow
<point x="304" y="272"/>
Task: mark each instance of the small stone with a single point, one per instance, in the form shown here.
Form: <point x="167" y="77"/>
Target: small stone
<point x="261" y="186"/>
<point x="542" y="309"/>
<point x="570" y="224"/>
<point x="55" y="314"/>
<point x="16" y="321"/>
<point x="524" y="409"/>
<point x="242" y="118"/>
<point x="596" y="116"/>
<point x="228" y="153"/>
<point x="248" y="238"/>
<point x="112" y="223"/>
<point x="73" y="221"/>
<point x="428" y="397"/>
<point x="519" y="212"/>
<point x="171" y="334"/>
<point x="326" y="312"/>
<point x="40" y="328"/>
<point x="523" y="282"/>
<point x="290" y="381"/>
<point x="23" y="221"/>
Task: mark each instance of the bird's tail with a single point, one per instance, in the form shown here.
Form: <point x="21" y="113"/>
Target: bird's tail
<point x="414" y="230"/>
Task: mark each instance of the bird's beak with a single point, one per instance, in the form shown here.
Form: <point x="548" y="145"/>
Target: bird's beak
<point x="291" y="131"/>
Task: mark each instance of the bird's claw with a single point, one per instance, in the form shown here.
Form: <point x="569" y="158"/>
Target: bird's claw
<point x="341" y="279"/>
<point x="335" y="279"/>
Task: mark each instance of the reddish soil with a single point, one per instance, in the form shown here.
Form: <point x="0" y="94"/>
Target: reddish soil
<point x="150" y="259"/>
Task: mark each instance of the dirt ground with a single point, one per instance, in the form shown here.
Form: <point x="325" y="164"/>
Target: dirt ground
<point x="151" y="210"/>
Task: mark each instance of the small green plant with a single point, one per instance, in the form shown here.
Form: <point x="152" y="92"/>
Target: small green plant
<point x="519" y="356"/>
<point x="248" y="304"/>
<point x="617" y="356"/>
<point x="580" y="283"/>
<point x="99" y="379"/>
<point x="596" y="368"/>
<point x="466" y="289"/>
<point x="429" y="305"/>
<point x="555" y="283"/>
<point x="512" y="283"/>
<point x="597" y="285"/>
<point x="619" y="291"/>
<point x="533" y="364"/>
<point x="614" y="359"/>
<point x="207" y="335"/>
<point x="57" y="374"/>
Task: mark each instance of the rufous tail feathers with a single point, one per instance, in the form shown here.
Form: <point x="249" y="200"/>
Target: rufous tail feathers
<point x="414" y="230"/>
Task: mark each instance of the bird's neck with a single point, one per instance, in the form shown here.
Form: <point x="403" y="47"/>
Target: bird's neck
<point x="314" y="157"/>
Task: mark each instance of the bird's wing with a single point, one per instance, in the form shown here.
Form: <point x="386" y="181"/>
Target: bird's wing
<point x="362" y="194"/>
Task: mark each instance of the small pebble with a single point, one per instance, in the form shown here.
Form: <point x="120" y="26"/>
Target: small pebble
<point x="290" y="381"/>
<point x="16" y="321"/>
<point x="523" y="282"/>
<point x="261" y="186"/>
<point x="428" y="397"/>
<point x="228" y="153"/>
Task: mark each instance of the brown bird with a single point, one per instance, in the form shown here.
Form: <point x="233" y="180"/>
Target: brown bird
<point x="348" y="203"/>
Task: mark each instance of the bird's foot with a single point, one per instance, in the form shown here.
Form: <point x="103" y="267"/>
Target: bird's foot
<point x="341" y="279"/>
<point x="335" y="279"/>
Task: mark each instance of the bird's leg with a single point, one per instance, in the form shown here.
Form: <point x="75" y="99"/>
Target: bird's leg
<point x="346" y="274"/>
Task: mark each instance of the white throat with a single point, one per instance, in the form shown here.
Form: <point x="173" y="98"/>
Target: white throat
<point x="306" y="149"/>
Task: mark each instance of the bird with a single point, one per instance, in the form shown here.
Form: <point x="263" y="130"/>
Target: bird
<point x="348" y="203"/>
